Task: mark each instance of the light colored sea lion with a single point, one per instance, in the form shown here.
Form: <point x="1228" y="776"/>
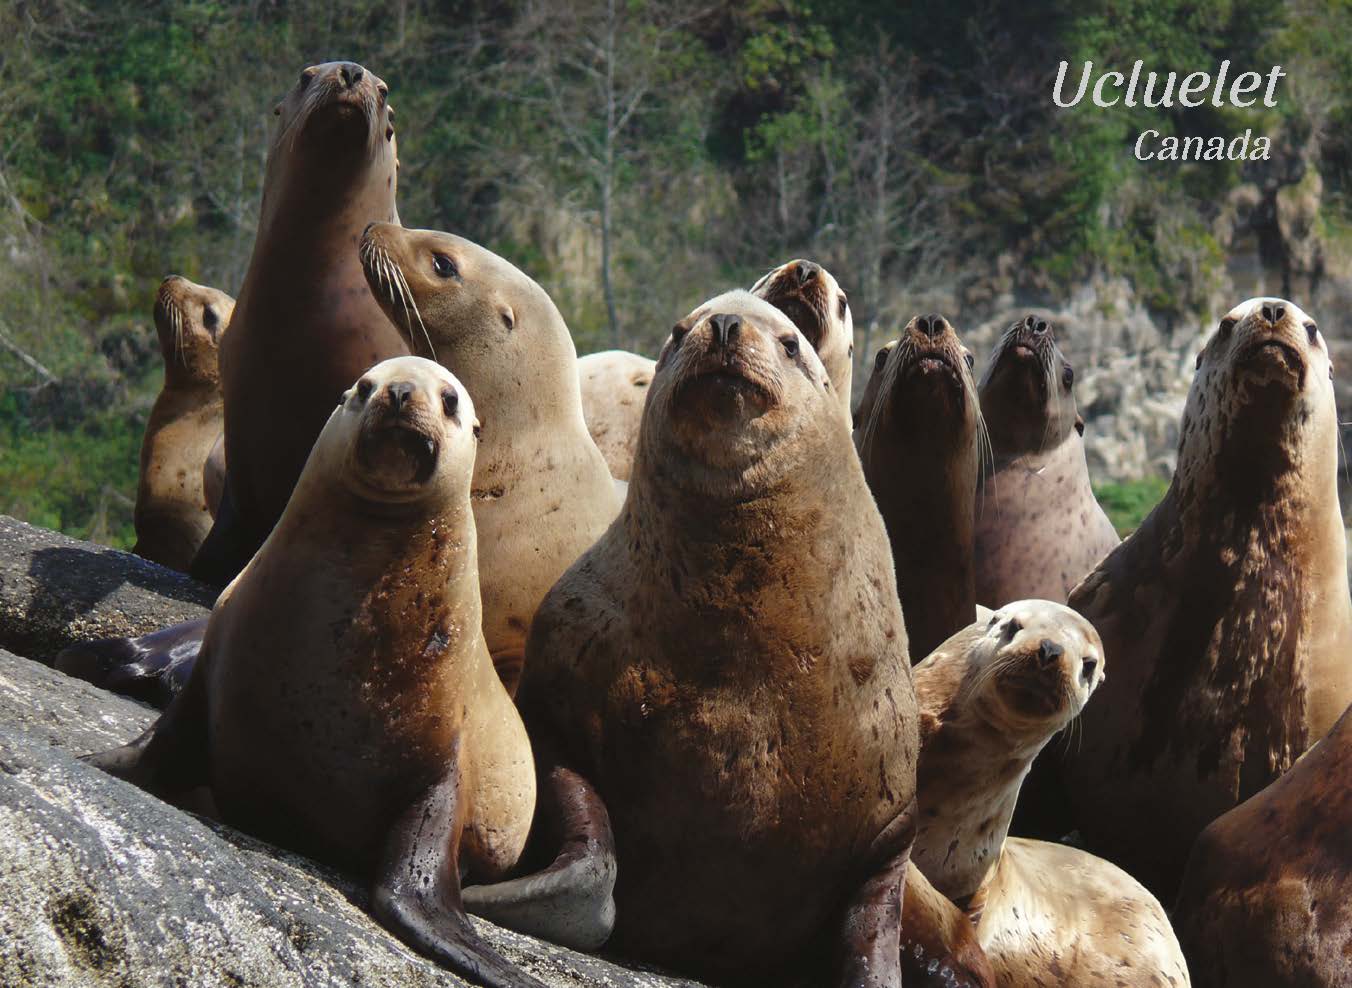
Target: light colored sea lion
<point x="727" y="668"/>
<point x="172" y="513"/>
<point x="542" y="491"/>
<point x="918" y="431"/>
<point x="1226" y="613"/>
<point x="990" y="699"/>
<point x="305" y="325"/>
<point x="383" y="740"/>
<point x="818" y="306"/>
<point x="614" y="387"/>
<point x="1264" y="900"/>
<point x="1039" y="528"/>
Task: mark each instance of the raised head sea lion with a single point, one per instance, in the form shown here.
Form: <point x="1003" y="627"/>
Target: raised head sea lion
<point x="727" y="668"/>
<point x="1264" y="899"/>
<point x="305" y="325"/>
<point x="614" y="387"/>
<point x="1039" y="529"/>
<point x="344" y="704"/>
<point x="990" y="698"/>
<point x="819" y="307"/>
<point x="542" y="491"/>
<point x="918" y="431"/>
<point x="1226" y="613"/>
<point x="172" y="513"/>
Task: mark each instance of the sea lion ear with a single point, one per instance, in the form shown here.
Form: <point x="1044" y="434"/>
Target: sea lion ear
<point x="277" y="110"/>
<point x="1079" y="423"/>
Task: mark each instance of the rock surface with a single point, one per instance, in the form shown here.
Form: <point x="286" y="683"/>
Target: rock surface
<point x="104" y="885"/>
<point x="56" y="590"/>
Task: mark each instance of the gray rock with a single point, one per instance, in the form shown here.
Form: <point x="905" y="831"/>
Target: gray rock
<point x="104" y="885"/>
<point x="56" y="590"/>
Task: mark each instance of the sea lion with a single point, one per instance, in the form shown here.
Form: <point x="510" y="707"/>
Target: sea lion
<point x="614" y="386"/>
<point x="990" y="698"/>
<point x="1039" y="528"/>
<point x="818" y="306"/>
<point x="213" y="476"/>
<point x="1264" y="896"/>
<point x="1227" y="612"/>
<point x="172" y="514"/>
<point x="918" y="431"/>
<point x="383" y="741"/>
<point x="727" y="667"/>
<point x="542" y="491"/>
<point x="305" y="325"/>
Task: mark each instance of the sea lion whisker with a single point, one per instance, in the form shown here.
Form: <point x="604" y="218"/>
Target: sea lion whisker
<point x="413" y="303"/>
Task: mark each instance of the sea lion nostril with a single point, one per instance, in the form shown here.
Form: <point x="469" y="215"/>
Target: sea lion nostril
<point x="1041" y="326"/>
<point x="1049" y="651"/>
<point x="807" y="271"/>
<point x="400" y="392"/>
<point x="934" y="325"/>
<point x="725" y="328"/>
<point x="922" y="323"/>
<point x="350" y="73"/>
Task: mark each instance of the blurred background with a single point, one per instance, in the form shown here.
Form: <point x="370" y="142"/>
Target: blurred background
<point x="638" y="157"/>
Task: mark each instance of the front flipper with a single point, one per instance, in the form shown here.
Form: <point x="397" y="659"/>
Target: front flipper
<point x="227" y="548"/>
<point x="939" y="947"/>
<point x="572" y="901"/>
<point x="153" y="668"/>
<point x="871" y="938"/>
<point x="417" y="891"/>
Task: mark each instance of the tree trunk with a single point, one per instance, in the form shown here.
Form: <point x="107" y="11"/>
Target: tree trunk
<point x="608" y="179"/>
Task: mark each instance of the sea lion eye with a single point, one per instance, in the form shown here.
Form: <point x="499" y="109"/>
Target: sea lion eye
<point x="880" y="360"/>
<point x="1227" y="324"/>
<point x="209" y="317"/>
<point x="971" y="361"/>
<point x="1012" y="629"/>
<point x="843" y="305"/>
<point x="383" y="93"/>
<point x="790" y="344"/>
<point x="1313" y="331"/>
<point x="450" y="401"/>
<point x="364" y="388"/>
<point x="305" y="77"/>
<point x="443" y="266"/>
<point x="1067" y="377"/>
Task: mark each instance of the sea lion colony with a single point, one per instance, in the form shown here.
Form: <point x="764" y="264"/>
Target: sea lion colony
<point x="723" y="763"/>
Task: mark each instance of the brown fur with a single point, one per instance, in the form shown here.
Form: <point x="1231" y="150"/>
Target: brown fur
<point x="1039" y="528"/>
<point x="918" y="434"/>
<point x="729" y="662"/>
<point x="1264" y="899"/>
<point x="614" y="387"/>
<point x="1227" y="613"/>
<point x="172" y="513"/>
<point x="818" y="306"/>
<point x="542" y="491"/>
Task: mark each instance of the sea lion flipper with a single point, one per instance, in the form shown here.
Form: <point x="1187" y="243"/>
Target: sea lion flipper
<point x="226" y="549"/>
<point x="416" y="894"/>
<point x="155" y="667"/>
<point x="872" y="929"/>
<point x="934" y="930"/>
<point x="572" y="901"/>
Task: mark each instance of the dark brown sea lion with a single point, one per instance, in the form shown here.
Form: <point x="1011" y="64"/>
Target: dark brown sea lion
<point x="383" y="741"/>
<point x="1039" y="529"/>
<point x="990" y="699"/>
<point x="614" y="387"/>
<point x="172" y="513"/>
<point x="1264" y="900"/>
<point x="918" y="431"/>
<point x="1226" y="614"/>
<point x="818" y="306"/>
<point x="727" y="667"/>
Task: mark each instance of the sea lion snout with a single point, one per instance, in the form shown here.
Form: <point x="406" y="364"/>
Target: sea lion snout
<point x="932" y="325"/>
<point x="400" y="392"/>
<point x="725" y="328"/>
<point x="1273" y="313"/>
<point x="807" y="271"/>
<point x="350" y="73"/>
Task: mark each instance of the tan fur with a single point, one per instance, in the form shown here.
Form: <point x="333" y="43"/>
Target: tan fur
<point x="361" y="614"/>
<point x="1039" y="528"/>
<point x="1227" y="612"/>
<point x="728" y="663"/>
<point x="213" y="475"/>
<point x="542" y="491"/>
<point x="1264" y="899"/>
<point x="172" y="513"/>
<point x="990" y="699"/>
<point x="614" y="387"/>
<point x="815" y="303"/>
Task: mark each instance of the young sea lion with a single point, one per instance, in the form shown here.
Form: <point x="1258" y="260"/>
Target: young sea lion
<point x="1039" y="529"/>
<point x="818" y="306"/>
<point x="918" y="431"/>
<point x="990" y="698"/>
<point x="614" y="387"/>
<point x="1227" y="612"/>
<point x="172" y="513"/>
<point x="727" y="668"/>
<point x="344" y="704"/>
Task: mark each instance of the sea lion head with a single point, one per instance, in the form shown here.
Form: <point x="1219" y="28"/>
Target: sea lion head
<point x="1264" y="375"/>
<point x="812" y="299"/>
<point x="336" y="109"/>
<point x="922" y="384"/>
<point x="1027" y="391"/>
<point x="189" y="319"/>
<point x="737" y="396"/>
<point x="1028" y="670"/>
<point x="403" y="433"/>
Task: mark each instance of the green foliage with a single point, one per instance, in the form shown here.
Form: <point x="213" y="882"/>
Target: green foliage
<point x="1127" y="504"/>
